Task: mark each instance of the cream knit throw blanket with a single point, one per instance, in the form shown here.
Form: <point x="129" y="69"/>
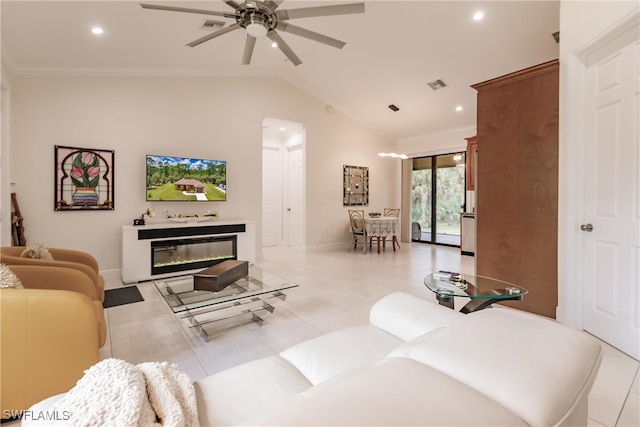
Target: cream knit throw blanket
<point x="116" y="393"/>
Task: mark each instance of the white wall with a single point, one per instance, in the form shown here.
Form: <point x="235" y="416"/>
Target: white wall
<point x="340" y="144"/>
<point x="437" y="143"/>
<point x="212" y="117"/>
<point x="5" y="189"/>
<point x="580" y="23"/>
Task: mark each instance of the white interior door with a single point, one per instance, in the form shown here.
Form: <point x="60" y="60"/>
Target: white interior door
<point x="610" y="229"/>
<point x="295" y="196"/>
<point x="272" y="196"/>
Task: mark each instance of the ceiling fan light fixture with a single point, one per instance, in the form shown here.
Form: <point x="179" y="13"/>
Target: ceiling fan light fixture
<point x="260" y="18"/>
<point x="256" y="29"/>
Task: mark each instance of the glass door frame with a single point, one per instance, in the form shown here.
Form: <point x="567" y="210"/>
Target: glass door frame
<point x="434" y="197"/>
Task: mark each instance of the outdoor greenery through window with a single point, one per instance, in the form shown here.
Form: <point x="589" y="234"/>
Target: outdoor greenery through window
<point x="438" y="197"/>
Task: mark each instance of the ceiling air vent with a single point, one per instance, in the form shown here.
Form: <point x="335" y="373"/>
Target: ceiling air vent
<point x="437" y="84"/>
<point x="212" y="25"/>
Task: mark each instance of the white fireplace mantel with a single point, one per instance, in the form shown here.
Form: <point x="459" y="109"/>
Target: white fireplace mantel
<point x="136" y="243"/>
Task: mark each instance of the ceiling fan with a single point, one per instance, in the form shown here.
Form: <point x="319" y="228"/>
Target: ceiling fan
<point x="260" y="18"/>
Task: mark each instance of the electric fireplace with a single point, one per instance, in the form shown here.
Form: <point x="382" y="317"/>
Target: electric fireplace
<point x="170" y="256"/>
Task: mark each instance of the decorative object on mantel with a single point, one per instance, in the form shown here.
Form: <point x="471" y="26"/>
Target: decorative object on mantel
<point x="375" y="214"/>
<point x="192" y="217"/>
<point x="140" y="221"/>
<point x="189" y="219"/>
<point x="214" y="214"/>
<point x="356" y="186"/>
<point x="83" y="179"/>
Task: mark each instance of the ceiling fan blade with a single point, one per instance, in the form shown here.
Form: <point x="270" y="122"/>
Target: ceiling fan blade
<point x="233" y="4"/>
<point x="310" y="12"/>
<point x="284" y="47"/>
<point x="272" y="4"/>
<point x="312" y="35"/>
<point x="187" y="10"/>
<point x="248" y="50"/>
<point x="215" y="34"/>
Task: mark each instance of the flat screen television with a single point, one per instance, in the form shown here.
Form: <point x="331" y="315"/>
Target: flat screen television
<point x="184" y="179"/>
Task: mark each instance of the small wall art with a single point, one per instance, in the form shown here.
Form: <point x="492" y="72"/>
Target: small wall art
<point x="83" y="179"/>
<point x="356" y="185"/>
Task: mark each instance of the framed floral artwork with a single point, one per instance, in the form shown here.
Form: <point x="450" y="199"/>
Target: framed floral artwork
<point x="355" y="180"/>
<point x="83" y="179"/>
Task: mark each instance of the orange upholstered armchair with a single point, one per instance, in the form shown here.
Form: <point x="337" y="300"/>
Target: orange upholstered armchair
<point x="48" y="338"/>
<point x="65" y="279"/>
<point x="67" y="258"/>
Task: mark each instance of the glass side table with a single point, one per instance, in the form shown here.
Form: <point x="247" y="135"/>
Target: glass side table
<point x="483" y="291"/>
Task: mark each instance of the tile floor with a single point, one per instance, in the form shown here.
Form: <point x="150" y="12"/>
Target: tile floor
<point x="337" y="288"/>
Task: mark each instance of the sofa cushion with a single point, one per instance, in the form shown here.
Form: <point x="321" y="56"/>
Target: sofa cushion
<point x="48" y="339"/>
<point x="237" y="394"/>
<point x="535" y="366"/>
<point x="331" y="354"/>
<point x="393" y="392"/>
<point x="407" y="316"/>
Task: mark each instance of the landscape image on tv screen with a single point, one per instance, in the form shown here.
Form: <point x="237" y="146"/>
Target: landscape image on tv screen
<point x="185" y="179"/>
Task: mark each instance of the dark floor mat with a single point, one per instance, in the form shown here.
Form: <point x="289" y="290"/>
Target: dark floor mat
<point x="121" y="296"/>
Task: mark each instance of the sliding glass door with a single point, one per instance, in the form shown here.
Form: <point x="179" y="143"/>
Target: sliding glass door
<point x="421" y="199"/>
<point x="437" y="198"/>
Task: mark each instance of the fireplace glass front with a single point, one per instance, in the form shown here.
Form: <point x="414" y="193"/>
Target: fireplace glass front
<point x="169" y="256"/>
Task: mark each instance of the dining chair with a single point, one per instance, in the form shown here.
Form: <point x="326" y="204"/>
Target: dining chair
<point x="391" y="212"/>
<point x="358" y="229"/>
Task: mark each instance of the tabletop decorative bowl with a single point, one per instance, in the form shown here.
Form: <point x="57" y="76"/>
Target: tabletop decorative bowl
<point x="374" y="214"/>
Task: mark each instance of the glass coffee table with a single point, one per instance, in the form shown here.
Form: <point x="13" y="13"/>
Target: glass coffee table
<point x="248" y="296"/>
<point x="483" y="291"/>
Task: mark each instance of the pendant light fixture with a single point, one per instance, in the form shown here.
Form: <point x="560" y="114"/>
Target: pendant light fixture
<point x="395" y="109"/>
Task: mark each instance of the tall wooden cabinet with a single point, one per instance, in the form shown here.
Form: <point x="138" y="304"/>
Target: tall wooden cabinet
<point x="517" y="183"/>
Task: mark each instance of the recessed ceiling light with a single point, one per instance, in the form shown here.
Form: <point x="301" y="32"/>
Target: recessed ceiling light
<point x="274" y="44"/>
<point x="478" y="16"/>
<point x="97" y="30"/>
<point x="459" y="108"/>
<point x="283" y="129"/>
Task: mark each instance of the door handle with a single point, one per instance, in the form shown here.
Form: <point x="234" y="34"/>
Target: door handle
<point x="289" y="209"/>
<point x="586" y="227"/>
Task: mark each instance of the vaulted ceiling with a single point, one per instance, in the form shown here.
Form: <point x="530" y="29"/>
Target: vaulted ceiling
<point x="393" y="50"/>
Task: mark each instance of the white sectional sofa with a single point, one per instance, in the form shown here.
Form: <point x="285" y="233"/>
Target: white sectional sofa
<point x="415" y="363"/>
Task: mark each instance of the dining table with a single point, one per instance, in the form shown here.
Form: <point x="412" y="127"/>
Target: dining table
<point x="381" y="227"/>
